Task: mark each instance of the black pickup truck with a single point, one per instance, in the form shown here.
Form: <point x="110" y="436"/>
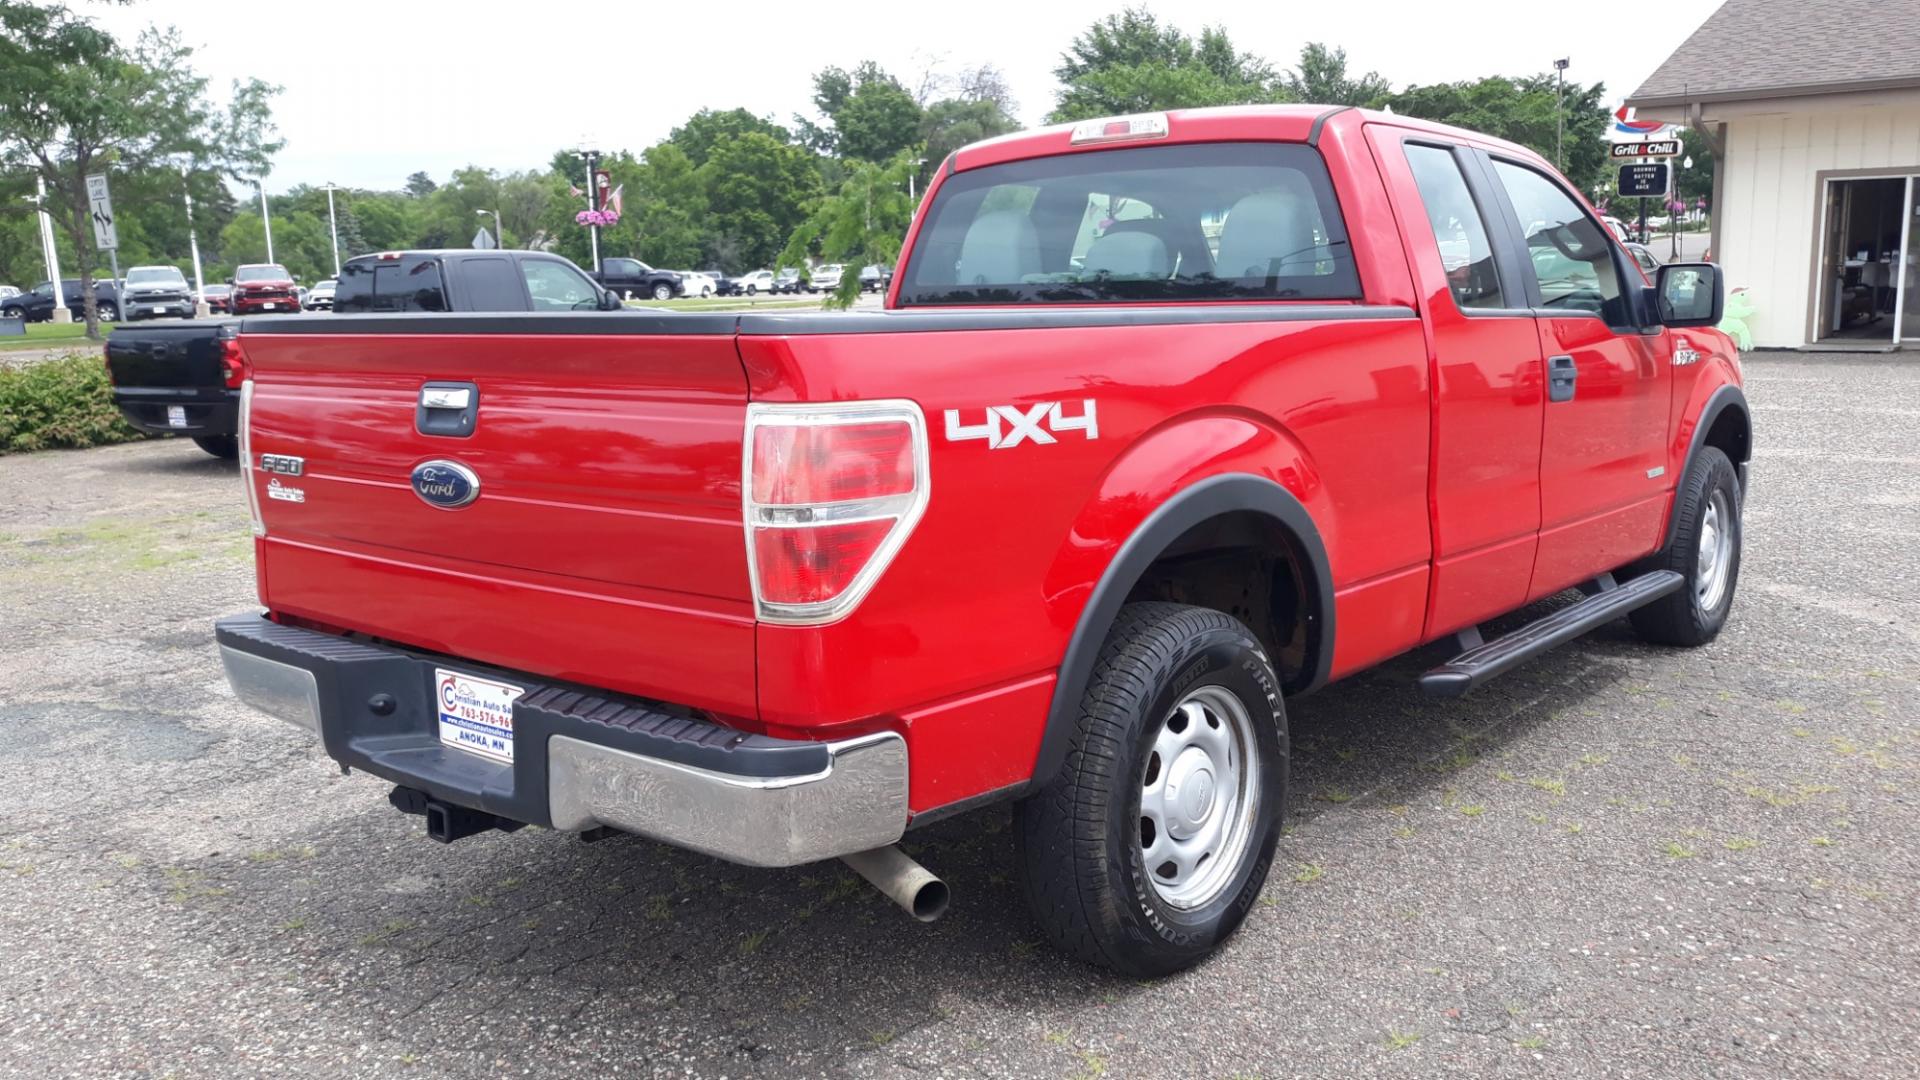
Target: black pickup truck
<point x="184" y="378"/>
<point x="635" y="279"/>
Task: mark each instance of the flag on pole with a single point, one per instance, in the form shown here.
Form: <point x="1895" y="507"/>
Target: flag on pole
<point x="615" y="203"/>
<point x="574" y="190"/>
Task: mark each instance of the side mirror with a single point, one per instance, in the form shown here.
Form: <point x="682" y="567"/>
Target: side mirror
<point x="610" y="300"/>
<point x="1689" y="294"/>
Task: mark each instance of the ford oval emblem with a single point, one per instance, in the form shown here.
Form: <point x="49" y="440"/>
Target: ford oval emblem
<point x="448" y="485"/>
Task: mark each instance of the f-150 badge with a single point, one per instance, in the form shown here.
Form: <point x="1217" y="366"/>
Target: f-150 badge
<point x="1007" y="426"/>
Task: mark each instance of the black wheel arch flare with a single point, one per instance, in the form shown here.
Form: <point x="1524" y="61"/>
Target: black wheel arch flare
<point x="1226" y="493"/>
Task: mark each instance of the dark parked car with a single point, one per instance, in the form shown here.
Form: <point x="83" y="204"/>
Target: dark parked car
<point x="875" y="278"/>
<point x="157" y="292"/>
<point x="633" y="278"/>
<point x="36" y="305"/>
<point x="722" y="284"/>
<point x="467" y="280"/>
<point x="219" y="298"/>
<point x="789" y="280"/>
<point x="185" y="378"/>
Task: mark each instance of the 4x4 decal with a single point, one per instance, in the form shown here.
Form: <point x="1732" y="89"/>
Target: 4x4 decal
<point x="1036" y="423"/>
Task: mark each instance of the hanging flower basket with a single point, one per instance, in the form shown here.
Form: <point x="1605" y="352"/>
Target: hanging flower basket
<point x="602" y="218"/>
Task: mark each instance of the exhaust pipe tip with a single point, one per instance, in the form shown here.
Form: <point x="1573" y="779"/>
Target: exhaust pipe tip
<point x="930" y="902"/>
<point x="904" y="881"/>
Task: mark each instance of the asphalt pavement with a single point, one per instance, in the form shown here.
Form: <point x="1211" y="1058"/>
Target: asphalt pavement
<point x="1621" y="861"/>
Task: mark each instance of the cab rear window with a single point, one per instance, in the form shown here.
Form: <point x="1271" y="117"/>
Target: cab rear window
<point x="1213" y="221"/>
<point x="373" y="284"/>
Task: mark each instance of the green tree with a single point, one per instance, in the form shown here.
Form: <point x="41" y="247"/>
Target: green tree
<point x="420" y="185"/>
<point x="759" y="190"/>
<point x="710" y="127"/>
<point x="671" y="206"/>
<point x="1521" y="110"/>
<point x="74" y="100"/>
<point x="948" y="125"/>
<point x="870" y="116"/>
<point x="863" y="221"/>
<point x="1130" y="62"/>
<point x="1322" y="78"/>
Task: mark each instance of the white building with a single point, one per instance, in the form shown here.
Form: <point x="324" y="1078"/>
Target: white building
<point x="1815" y="112"/>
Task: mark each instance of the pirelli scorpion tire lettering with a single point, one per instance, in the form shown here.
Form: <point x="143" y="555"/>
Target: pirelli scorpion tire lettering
<point x="1152" y="843"/>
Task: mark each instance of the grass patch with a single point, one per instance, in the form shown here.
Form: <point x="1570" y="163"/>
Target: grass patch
<point x="1740" y="843"/>
<point x="46" y="335"/>
<point x="1400" y="1040"/>
<point x="1473" y="810"/>
<point x="61" y="403"/>
<point x="1677" y="850"/>
<point x="1309" y="873"/>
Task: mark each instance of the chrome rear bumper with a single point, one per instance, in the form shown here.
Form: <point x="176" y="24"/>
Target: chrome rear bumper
<point x="580" y="762"/>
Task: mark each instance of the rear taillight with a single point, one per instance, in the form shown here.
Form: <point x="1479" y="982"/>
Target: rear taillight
<point x="233" y="362"/>
<point x="831" y="494"/>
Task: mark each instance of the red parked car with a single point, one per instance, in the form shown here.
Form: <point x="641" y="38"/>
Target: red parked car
<point x="262" y="287"/>
<point x="1172" y="418"/>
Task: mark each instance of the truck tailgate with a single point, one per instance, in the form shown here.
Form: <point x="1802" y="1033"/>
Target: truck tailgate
<point x="169" y="354"/>
<point x="604" y="545"/>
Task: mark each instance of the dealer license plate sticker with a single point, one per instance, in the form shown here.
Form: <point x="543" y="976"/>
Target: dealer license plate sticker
<point x="176" y="416"/>
<point x="476" y="714"/>
<point x="268" y="305"/>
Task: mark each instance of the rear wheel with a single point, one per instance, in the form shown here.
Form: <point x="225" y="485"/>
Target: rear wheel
<point x="220" y="446"/>
<point x="662" y="291"/>
<point x="1150" y="846"/>
<point x="108" y="312"/>
<point x="752" y="290"/>
<point x="1705" y="551"/>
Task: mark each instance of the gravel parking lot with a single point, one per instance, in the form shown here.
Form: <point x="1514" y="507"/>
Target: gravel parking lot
<point x="1622" y="861"/>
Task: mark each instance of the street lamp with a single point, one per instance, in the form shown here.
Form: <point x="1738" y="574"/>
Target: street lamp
<point x="260" y="186"/>
<point x="200" y="309"/>
<point x="1559" y="110"/>
<point x="47" y="250"/>
<point x="333" y="227"/>
<point x="499" y="237"/>
<point x="592" y="158"/>
<point x="917" y="162"/>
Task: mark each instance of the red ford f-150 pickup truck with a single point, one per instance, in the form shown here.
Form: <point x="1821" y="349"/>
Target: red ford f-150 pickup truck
<point x="1170" y="418"/>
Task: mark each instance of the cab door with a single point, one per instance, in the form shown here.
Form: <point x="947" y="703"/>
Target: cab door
<point x="1603" y="483"/>
<point x="1487" y="378"/>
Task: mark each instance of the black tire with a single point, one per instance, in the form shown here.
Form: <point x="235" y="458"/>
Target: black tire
<point x="107" y="312"/>
<point x="752" y="290"/>
<point x="662" y="291"/>
<point x="1081" y="835"/>
<point x="220" y="446"/>
<point x="1710" y="489"/>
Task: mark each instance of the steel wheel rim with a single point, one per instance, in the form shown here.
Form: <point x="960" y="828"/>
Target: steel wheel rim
<point x="1199" y="791"/>
<point x="1713" y="564"/>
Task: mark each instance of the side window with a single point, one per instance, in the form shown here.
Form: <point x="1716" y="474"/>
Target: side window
<point x="556" y="286"/>
<point x="1569" y="250"/>
<point x="1458" y="228"/>
<point x="491" y="285"/>
<point x="621" y="267"/>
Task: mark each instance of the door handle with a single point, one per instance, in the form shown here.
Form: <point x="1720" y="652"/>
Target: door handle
<point x="447" y="409"/>
<point x="1562" y="375"/>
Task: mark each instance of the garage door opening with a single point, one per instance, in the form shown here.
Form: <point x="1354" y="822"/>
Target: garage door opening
<point x="1867" y="276"/>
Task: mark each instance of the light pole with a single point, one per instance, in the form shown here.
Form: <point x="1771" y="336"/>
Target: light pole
<point x="333" y="227"/>
<point x="48" y="252"/>
<point x="200" y="309"/>
<point x="592" y="158"/>
<point x="499" y="237"/>
<point x="1559" y="109"/>
<point x="265" y="222"/>
<point x="911" y="197"/>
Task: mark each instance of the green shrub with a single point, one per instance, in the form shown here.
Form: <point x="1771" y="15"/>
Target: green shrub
<point x="63" y="402"/>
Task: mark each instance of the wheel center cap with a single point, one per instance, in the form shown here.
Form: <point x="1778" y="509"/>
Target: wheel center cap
<point x="1191" y="788"/>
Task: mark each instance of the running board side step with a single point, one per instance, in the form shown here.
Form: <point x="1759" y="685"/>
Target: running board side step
<point x="1605" y="602"/>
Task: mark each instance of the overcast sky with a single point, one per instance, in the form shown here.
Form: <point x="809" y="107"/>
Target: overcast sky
<point x="373" y="92"/>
